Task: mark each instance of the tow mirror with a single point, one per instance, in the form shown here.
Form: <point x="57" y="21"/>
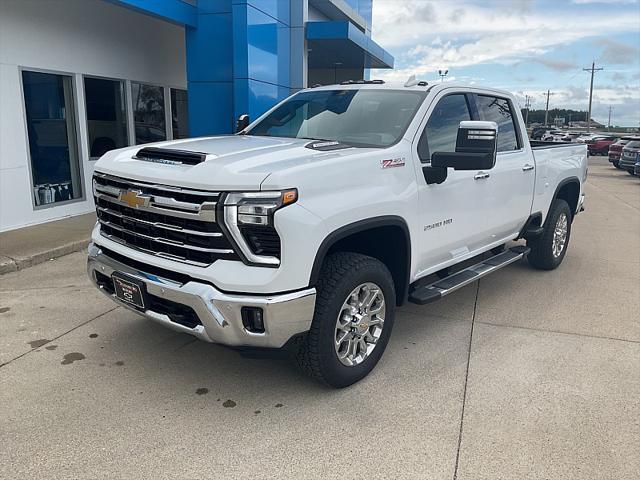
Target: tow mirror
<point x="242" y="122"/>
<point x="476" y="147"/>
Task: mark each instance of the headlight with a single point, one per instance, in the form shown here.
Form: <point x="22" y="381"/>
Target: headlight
<point x="248" y="217"/>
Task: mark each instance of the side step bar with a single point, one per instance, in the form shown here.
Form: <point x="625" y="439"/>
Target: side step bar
<point x="423" y="294"/>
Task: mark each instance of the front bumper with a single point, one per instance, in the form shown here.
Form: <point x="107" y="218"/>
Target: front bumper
<point x="219" y="313"/>
<point x="627" y="163"/>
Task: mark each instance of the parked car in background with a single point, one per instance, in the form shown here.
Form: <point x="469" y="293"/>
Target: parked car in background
<point x="629" y="156"/>
<point x="615" y="150"/>
<point x="552" y="136"/>
<point x="538" y="132"/>
<point x="636" y="168"/>
<point x="585" y="137"/>
<point x="571" y="136"/>
<point x="599" y="145"/>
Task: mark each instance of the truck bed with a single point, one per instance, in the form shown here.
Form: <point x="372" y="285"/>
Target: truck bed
<point x="539" y="144"/>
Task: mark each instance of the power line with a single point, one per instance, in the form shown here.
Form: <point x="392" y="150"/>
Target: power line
<point x="527" y="106"/>
<point x="609" y="124"/>
<point x="546" y="111"/>
<point x="593" y="70"/>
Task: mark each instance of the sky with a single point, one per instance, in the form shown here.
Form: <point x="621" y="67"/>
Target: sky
<point x="524" y="46"/>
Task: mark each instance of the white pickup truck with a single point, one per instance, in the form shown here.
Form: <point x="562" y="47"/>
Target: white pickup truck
<point x="306" y="230"/>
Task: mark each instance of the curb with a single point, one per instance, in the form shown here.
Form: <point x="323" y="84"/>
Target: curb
<point x="8" y="264"/>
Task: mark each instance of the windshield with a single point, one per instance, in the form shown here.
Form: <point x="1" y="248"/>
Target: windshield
<point x="361" y="118"/>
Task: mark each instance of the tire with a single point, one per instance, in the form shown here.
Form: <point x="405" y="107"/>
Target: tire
<point x="631" y="172"/>
<point x="341" y="274"/>
<point x="542" y="254"/>
<point x="616" y="163"/>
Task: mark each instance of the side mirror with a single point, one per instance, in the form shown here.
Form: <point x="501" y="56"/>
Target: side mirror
<point x="242" y="122"/>
<point x="476" y="148"/>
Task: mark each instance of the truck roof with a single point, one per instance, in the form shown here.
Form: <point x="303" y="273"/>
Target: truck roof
<point x="422" y="86"/>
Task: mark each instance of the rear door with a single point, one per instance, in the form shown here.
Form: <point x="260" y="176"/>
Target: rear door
<point x="512" y="179"/>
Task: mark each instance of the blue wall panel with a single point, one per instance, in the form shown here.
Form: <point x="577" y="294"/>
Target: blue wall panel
<point x="261" y="46"/>
<point x="175" y="11"/>
<point x="278" y="9"/>
<point x="255" y="98"/>
<point x="214" y="6"/>
<point x="210" y="108"/>
<point x="209" y="48"/>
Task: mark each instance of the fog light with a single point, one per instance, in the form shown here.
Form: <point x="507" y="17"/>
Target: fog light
<point x="252" y="319"/>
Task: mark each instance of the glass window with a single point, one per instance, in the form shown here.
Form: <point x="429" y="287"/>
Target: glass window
<point x="441" y="131"/>
<point x="179" y="113"/>
<point x="53" y="145"/>
<point x="497" y="110"/>
<point x="367" y="117"/>
<point x="148" y="112"/>
<point x="106" y="115"/>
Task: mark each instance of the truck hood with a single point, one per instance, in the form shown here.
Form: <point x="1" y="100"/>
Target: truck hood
<point x="234" y="162"/>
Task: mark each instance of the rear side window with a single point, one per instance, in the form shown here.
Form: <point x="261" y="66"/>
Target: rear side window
<point x="441" y="130"/>
<point x="633" y="144"/>
<point x="493" y="109"/>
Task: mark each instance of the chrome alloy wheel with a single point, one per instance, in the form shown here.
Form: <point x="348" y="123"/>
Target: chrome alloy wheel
<point x="359" y="324"/>
<point x="560" y="235"/>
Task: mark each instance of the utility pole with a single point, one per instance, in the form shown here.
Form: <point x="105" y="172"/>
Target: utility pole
<point x="546" y="112"/>
<point x="609" y="125"/>
<point x="593" y="70"/>
<point x="527" y="105"/>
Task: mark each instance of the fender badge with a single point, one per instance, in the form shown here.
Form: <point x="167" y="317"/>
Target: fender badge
<point x="393" y="162"/>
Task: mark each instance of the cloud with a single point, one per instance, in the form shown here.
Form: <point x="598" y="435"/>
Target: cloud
<point x="459" y="35"/>
<point x="558" y="65"/>
<point x="586" y="2"/>
<point x="618" y="53"/>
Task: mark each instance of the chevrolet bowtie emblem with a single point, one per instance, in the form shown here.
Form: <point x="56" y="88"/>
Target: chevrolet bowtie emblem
<point x="134" y="198"/>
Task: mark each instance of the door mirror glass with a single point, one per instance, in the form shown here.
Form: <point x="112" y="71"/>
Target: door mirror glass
<point x="242" y="122"/>
<point x="475" y="148"/>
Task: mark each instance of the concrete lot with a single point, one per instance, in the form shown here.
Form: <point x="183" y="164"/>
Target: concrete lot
<point x="527" y="374"/>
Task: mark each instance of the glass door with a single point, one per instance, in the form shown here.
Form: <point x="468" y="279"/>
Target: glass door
<point x="53" y="145"/>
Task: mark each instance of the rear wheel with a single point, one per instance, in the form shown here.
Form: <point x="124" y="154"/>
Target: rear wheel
<point x="548" y="249"/>
<point x="616" y="163"/>
<point x="354" y="315"/>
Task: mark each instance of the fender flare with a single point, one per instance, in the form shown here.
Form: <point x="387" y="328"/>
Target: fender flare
<point x="361" y="226"/>
<point x="562" y="183"/>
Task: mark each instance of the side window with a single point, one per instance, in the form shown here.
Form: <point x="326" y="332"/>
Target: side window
<point x="441" y="130"/>
<point x="498" y="110"/>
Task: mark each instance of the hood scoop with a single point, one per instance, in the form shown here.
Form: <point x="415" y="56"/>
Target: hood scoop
<point x="170" y="156"/>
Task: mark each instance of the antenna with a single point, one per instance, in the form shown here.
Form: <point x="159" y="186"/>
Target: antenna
<point x="411" y="82"/>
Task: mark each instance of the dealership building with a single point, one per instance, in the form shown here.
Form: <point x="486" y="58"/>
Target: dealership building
<point x="81" y="77"/>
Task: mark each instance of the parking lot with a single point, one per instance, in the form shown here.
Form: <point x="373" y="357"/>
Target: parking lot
<point x="526" y="374"/>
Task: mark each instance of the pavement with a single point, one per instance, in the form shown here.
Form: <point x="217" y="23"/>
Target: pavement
<point x="524" y="375"/>
<point x="29" y="246"/>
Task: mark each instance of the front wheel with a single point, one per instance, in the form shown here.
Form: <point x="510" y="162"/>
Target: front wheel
<point x="354" y="315"/>
<point x="548" y="249"/>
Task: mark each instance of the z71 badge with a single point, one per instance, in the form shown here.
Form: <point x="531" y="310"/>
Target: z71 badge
<point x="393" y="162"/>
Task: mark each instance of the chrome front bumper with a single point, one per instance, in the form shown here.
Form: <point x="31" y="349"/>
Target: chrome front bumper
<point x="285" y="315"/>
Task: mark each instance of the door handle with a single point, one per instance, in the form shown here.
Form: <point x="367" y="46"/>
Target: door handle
<point x="527" y="166"/>
<point x="481" y="176"/>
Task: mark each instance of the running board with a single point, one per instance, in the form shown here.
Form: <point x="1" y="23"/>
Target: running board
<point x="423" y="294"/>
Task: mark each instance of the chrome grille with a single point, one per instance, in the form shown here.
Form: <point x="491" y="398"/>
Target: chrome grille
<point x="168" y="222"/>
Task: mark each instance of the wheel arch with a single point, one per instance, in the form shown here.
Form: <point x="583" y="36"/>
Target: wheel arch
<point x="385" y="238"/>
<point x="569" y="191"/>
